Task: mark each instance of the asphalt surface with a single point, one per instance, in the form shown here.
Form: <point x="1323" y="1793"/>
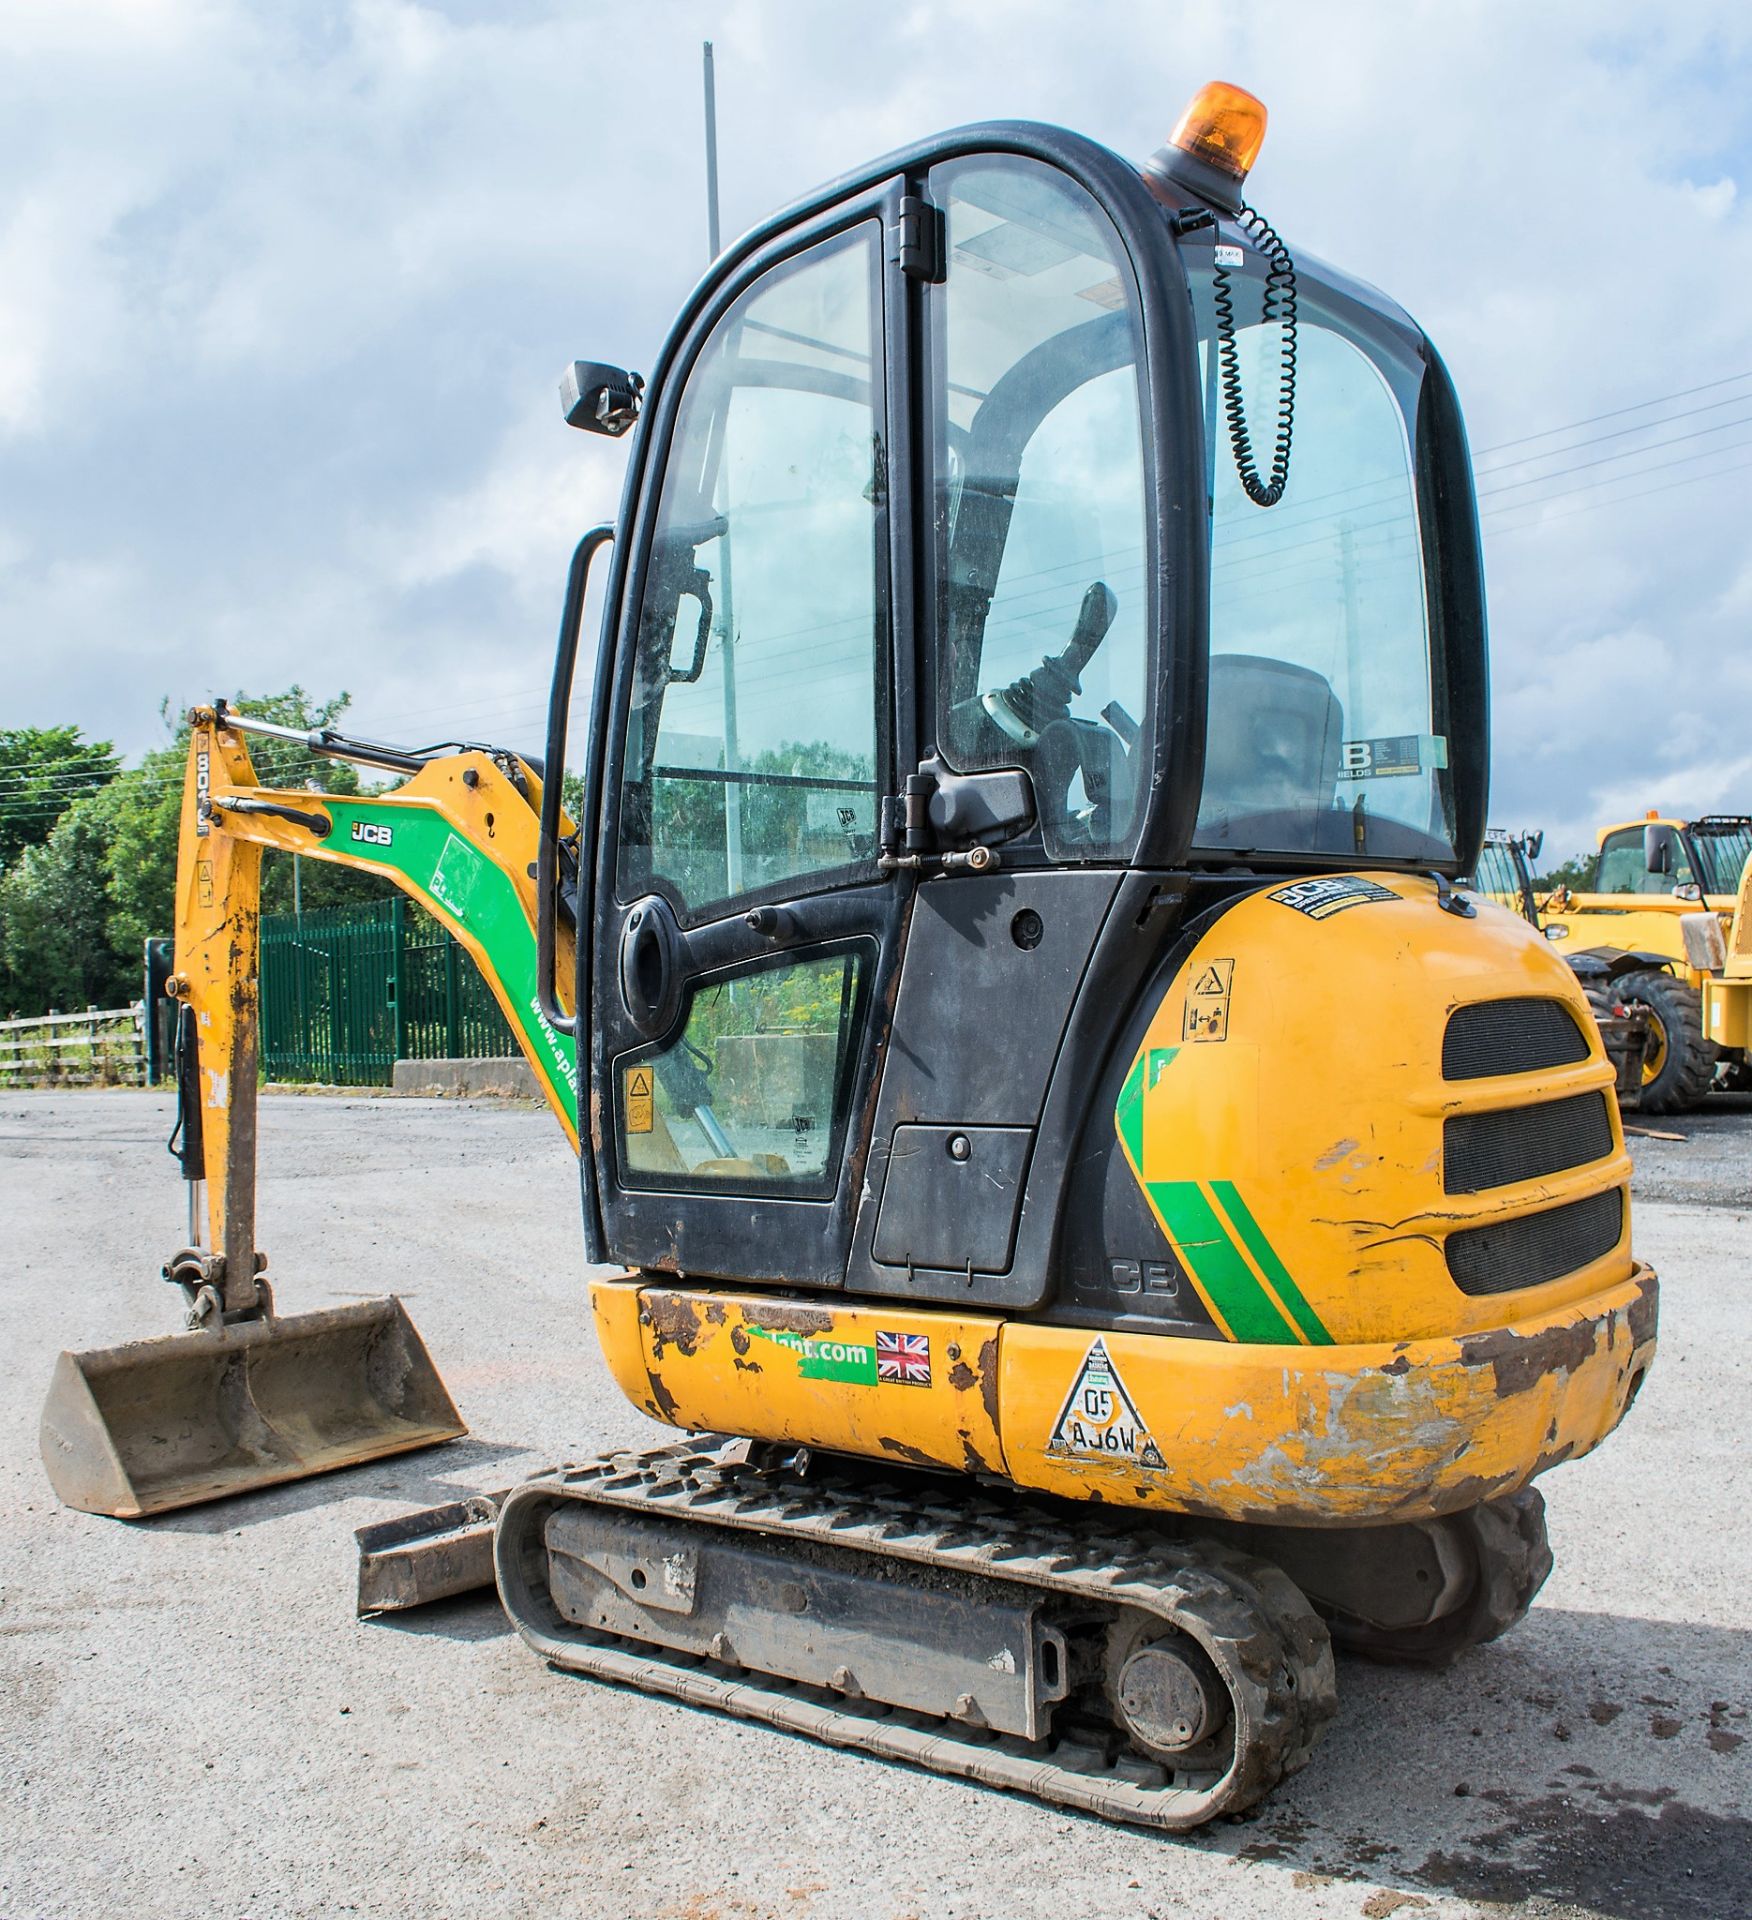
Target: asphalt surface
<point x="192" y="1722"/>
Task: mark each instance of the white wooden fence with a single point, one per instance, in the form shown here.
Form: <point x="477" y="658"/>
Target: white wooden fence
<point x="101" y="1047"/>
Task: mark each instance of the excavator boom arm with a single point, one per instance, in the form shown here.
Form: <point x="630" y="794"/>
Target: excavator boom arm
<point x="459" y="836"/>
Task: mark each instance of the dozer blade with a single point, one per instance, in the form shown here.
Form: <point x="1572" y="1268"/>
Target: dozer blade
<point x="171" y="1422"/>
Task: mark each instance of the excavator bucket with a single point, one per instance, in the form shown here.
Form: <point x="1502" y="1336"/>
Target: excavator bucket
<point x="159" y="1424"/>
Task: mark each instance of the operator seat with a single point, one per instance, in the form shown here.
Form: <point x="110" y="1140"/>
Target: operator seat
<point x="1272" y="750"/>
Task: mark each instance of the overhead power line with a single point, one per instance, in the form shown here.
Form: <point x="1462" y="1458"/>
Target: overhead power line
<point x="48" y="785"/>
<point x="1614" y="413"/>
<point x="1593" y="506"/>
<point x="1618" y="433"/>
<point x="1607" y="459"/>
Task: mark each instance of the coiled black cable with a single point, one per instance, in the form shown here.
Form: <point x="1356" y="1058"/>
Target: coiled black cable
<point x="1280" y="306"/>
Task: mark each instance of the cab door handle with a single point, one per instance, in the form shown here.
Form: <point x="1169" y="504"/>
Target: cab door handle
<point x="649" y="969"/>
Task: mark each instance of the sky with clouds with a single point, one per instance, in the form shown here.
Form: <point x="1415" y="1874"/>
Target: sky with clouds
<point x="285" y="289"/>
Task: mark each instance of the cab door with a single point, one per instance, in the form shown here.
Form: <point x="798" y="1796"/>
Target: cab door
<point x="745" y="935"/>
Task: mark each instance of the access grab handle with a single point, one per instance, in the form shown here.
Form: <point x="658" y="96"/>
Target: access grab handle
<point x="650" y="966"/>
<point x="547" y="856"/>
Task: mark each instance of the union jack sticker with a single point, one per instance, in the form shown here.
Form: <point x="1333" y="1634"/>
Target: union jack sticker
<point x="903" y="1359"/>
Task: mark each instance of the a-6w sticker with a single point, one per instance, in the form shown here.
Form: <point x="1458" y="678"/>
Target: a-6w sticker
<point x="373" y="835"/>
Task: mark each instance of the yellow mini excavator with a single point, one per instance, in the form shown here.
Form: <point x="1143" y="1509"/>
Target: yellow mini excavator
<point x="1113" y="1217"/>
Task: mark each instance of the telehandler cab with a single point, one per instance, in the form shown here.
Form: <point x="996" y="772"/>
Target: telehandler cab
<point x="1037" y="1083"/>
<point x="1505" y="874"/>
<point x="1670" y="912"/>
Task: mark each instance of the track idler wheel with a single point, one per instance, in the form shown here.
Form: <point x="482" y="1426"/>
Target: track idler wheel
<point x="1236" y="1690"/>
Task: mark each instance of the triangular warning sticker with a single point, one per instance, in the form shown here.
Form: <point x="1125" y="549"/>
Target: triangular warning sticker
<point x="638" y="1082"/>
<point x="1215" y="980"/>
<point x="1099" y="1419"/>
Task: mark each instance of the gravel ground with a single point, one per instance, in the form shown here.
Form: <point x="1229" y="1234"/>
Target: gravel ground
<point x="193" y="1723"/>
<point x="1710" y="1164"/>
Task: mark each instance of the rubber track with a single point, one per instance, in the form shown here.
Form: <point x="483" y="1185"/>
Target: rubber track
<point x="1268" y="1644"/>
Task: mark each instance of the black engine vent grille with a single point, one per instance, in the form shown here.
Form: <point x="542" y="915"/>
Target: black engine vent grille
<point x="1510" y="1254"/>
<point x="1510" y="1036"/>
<point x="1482" y="1150"/>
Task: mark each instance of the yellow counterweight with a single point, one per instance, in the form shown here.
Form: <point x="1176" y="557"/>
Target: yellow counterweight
<point x="1380" y="1142"/>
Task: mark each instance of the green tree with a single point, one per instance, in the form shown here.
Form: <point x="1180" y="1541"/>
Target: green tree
<point x="781" y="833"/>
<point x="145" y="810"/>
<point x="43" y="771"/>
<point x="1577" y="875"/>
<point x="55" y="948"/>
<point x="776" y="820"/>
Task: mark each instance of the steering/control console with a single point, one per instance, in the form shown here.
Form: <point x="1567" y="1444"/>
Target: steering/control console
<point x="1027" y="707"/>
<point x="1033" y="714"/>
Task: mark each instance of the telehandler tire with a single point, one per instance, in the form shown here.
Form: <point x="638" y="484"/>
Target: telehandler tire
<point x="1680" y="1063"/>
<point x="1511" y="1559"/>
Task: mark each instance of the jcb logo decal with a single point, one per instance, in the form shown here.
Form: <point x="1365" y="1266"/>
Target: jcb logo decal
<point x="372" y="834"/>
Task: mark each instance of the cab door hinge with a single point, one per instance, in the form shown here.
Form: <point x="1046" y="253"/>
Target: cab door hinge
<point x="921" y="240"/>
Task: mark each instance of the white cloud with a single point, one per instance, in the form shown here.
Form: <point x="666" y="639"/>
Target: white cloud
<point x="527" y="507"/>
<point x="284" y="293"/>
<point x="1715" y="201"/>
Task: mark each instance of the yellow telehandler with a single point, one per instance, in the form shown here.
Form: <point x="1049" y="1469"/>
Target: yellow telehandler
<point x="1112" y="1217"/>
<point x="1670" y="913"/>
<point x="1504" y="873"/>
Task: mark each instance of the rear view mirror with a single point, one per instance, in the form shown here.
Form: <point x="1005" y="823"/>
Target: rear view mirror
<point x="1658" y="847"/>
<point x="600" y="398"/>
<point x="1531" y="843"/>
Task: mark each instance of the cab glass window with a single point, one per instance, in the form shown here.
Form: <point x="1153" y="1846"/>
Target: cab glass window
<point x="1499" y="875"/>
<point x="1623" y="865"/>
<point x="1324" y="734"/>
<point x="751" y="1096"/>
<point x="753" y="736"/>
<point x="1722" y="849"/>
<point x="1044" y="605"/>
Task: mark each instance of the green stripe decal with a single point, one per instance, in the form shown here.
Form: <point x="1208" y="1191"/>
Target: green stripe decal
<point x="1128" y="1116"/>
<point x="1199" y="1237"/>
<point x="1128" y="1109"/>
<point x="1266" y="1259"/>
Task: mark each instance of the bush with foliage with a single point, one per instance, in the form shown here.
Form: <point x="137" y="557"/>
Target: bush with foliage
<point x="81" y="893"/>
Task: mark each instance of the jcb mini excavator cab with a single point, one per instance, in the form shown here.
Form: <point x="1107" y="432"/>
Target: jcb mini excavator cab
<point x="1040" y="1087"/>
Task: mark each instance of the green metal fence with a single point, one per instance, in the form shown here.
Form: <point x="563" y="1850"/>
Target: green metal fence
<point x="348" y="991"/>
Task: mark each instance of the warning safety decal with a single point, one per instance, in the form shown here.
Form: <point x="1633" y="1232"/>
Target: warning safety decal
<point x="1099" y="1419"/>
<point x="1207" y="1003"/>
<point x="641" y="1109"/>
